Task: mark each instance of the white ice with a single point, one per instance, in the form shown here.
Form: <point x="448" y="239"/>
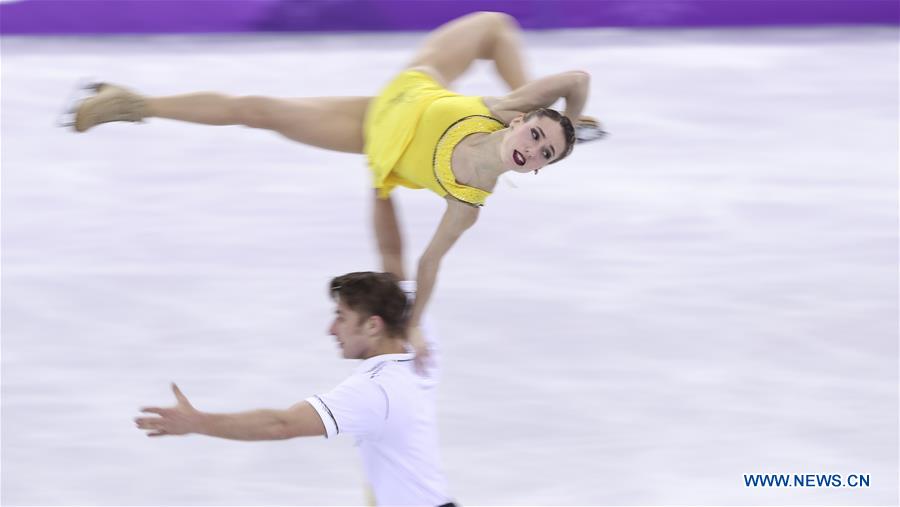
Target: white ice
<point x="711" y="292"/>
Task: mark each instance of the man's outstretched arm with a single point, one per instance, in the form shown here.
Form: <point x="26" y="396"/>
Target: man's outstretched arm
<point x="301" y="420"/>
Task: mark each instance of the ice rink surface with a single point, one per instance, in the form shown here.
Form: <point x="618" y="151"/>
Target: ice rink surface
<point x="711" y="292"/>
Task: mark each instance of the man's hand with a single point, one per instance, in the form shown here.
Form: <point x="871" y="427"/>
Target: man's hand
<point x="420" y="346"/>
<point x="181" y="419"/>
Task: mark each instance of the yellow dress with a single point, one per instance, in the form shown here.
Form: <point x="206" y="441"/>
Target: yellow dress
<point x="411" y="129"/>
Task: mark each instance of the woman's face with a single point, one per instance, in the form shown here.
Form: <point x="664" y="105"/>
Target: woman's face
<point x="532" y="144"/>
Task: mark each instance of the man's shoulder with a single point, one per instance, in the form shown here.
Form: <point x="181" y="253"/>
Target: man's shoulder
<point x="392" y="375"/>
<point x="379" y="370"/>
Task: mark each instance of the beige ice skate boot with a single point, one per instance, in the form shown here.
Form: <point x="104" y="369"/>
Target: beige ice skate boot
<point x="108" y="103"/>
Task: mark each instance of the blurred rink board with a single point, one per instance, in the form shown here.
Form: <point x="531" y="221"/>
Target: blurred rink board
<point x="709" y="293"/>
<point x="206" y="16"/>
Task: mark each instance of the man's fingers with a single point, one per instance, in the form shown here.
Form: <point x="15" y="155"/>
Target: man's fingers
<point x="179" y="395"/>
<point x="153" y="410"/>
<point x="149" y="422"/>
<point x="157" y="433"/>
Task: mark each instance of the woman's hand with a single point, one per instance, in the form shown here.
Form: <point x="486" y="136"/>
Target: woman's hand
<point x="420" y="347"/>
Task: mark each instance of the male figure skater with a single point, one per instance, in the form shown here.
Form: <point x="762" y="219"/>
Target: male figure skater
<point x="385" y="405"/>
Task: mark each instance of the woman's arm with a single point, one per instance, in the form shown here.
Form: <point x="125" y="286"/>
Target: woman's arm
<point x="387" y="235"/>
<point x="573" y="86"/>
<point x="457" y="218"/>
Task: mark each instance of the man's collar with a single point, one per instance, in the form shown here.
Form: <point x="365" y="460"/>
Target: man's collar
<point x="374" y="361"/>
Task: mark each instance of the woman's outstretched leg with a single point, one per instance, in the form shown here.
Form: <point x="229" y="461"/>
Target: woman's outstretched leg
<point x="452" y="47"/>
<point x="334" y="123"/>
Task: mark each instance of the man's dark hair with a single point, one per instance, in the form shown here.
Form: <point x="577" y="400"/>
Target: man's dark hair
<point x="564" y="122"/>
<point x="368" y="293"/>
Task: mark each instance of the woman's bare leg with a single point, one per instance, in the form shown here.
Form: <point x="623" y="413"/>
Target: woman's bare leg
<point x="333" y="123"/>
<point x="452" y="47"/>
<point x="387" y="235"/>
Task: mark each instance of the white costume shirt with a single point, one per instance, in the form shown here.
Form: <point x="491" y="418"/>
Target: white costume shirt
<point x="391" y="412"/>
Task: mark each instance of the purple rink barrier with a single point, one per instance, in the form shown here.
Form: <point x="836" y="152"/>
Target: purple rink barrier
<point x="46" y="17"/>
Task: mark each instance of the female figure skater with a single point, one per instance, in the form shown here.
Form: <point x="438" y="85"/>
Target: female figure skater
<point x="415" y="133"/>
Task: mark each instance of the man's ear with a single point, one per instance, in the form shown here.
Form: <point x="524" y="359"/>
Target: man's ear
<point x="374" y="325"/>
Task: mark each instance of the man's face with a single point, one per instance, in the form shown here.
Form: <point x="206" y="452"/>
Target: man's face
<point x="355" y="334"/>
<point x="532" y="144"/>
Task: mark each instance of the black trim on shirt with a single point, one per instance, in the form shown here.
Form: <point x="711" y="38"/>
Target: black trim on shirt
<point x="336" y="427"/>
<point x="387" y="402"/>
<point x="375" y="370"/>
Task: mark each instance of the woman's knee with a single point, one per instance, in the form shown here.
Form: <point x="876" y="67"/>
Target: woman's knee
<point x="500" y="21"/>
<point x="497" y="27"/>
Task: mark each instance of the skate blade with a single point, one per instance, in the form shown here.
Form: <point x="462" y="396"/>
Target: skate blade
<point x="84" y="89"/>
<point x="588" y="133"/>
